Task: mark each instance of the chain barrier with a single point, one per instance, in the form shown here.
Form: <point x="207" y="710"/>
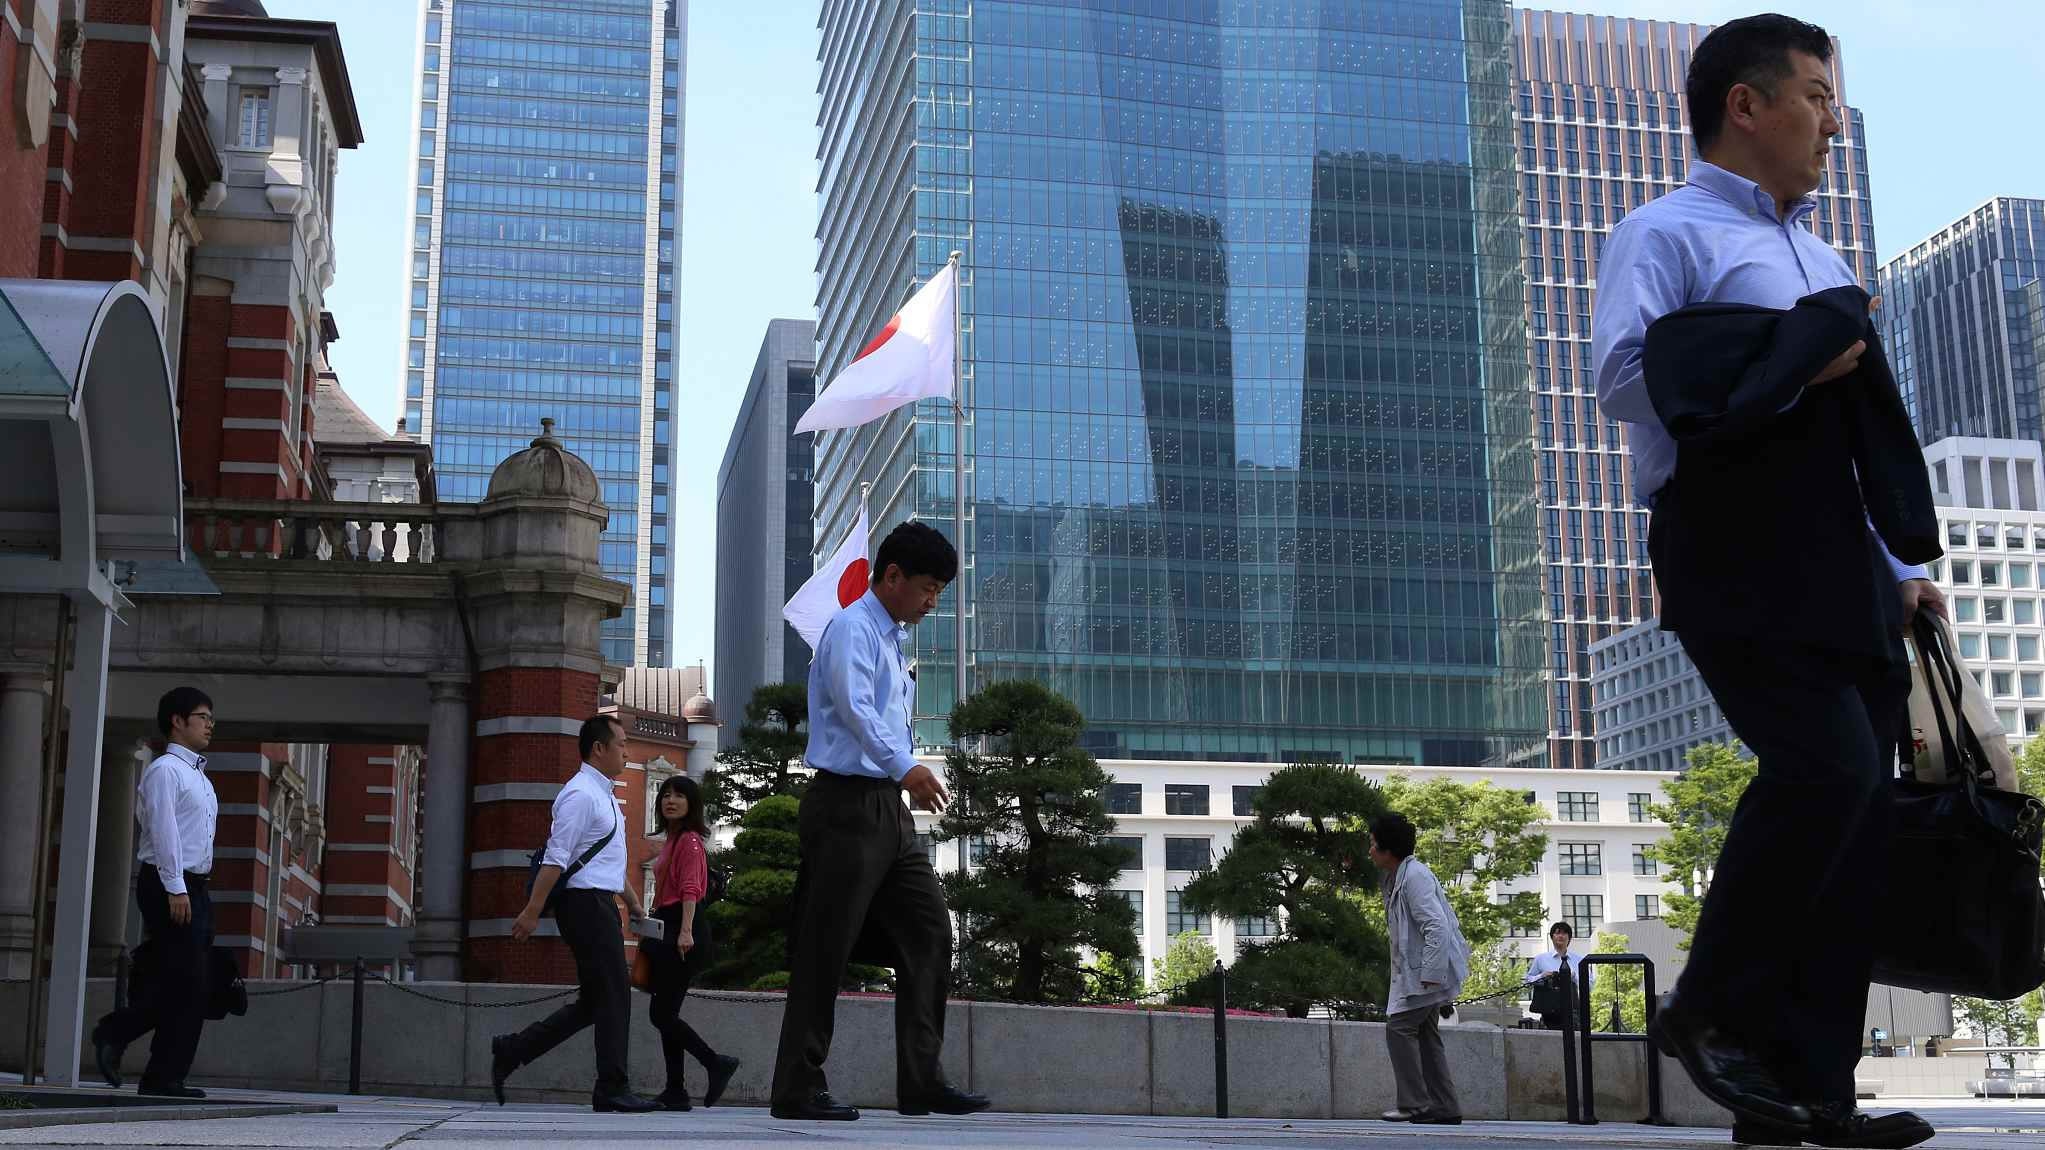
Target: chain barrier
<point x="407" y="988"/>
<point x="254" y="992"/>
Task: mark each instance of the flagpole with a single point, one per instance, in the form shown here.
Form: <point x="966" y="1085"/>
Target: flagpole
<point x="958" y="457"/>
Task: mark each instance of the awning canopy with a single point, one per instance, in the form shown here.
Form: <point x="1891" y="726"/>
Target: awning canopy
<point x="89" y="466"/>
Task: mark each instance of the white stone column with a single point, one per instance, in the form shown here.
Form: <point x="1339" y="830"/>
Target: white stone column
<point x="438" y="941"/>
<point x="113" y="863"/>
<point x="24" y="693"/>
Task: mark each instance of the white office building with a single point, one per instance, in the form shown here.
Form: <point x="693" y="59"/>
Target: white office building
<point x="1179" y="817"/>
<point x="1649" y="702"/>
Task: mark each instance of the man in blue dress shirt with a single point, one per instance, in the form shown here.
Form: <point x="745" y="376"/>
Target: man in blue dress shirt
<point x="1768" y="1012"/>
<point x="864" y="877"/>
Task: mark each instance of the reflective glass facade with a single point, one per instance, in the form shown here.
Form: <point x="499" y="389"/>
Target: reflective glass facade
<point x="1250" y="473"/>
<point x="542" y="274"/>
<point x="1602" y="130"/>
<point x="1961" y="324"/>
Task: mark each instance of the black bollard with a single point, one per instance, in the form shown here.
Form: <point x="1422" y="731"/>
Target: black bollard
<point x="355" y="1036"/>
<point x="1569" y="1095"/>
<point x="1220" y="1040"/>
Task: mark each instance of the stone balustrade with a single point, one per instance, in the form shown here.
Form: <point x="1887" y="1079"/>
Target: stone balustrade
<point x="403" y="533"/>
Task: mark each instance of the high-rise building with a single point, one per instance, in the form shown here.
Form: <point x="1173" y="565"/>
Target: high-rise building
<point x="1243" y="350"/>
<point x="1603" y="130"/>
<point x="542" y="266"/>
<point x="1962" y="325"/>
<point x="763" y="518"/>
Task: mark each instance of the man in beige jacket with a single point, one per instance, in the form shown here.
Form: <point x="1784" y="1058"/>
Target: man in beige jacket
<point x="1430" y="960"/>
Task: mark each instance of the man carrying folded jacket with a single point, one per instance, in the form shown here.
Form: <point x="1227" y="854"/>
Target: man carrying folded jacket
<point x="1790" y="513"/>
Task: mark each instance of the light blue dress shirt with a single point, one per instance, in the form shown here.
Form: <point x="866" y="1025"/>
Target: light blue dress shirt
<point x="1718" y="239"/>
<point x="860" y="695"/>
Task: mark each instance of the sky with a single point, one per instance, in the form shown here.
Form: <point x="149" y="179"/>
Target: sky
<point x="1944" y="90"/>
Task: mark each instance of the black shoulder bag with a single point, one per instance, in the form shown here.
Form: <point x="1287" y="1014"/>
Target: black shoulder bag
<point x="539" y="859"/>
<point x="1964" y="864"/>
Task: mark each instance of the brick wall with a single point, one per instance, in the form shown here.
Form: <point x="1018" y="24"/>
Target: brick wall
<point x="21" y="173"/>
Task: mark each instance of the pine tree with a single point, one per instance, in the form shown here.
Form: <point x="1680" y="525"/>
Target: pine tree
<point x="750" y="922"/>
<point x="767" y="759"/>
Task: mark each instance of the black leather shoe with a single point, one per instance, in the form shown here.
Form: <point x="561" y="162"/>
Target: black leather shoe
<point x="108" y="1056"/>
<point x="625" y="1102"/>
<point x="1725" y="1072"/>
<point x="948" y="1100"/>
<point x="820" y="1107"/>
<point x="673" y="1098"/>
<point x="720" y="1077"/>
<point x="168" y="1090"/>
<point x="502" y="1063"/>
<point x="1840" y="1124"/>
<point x="1747" y="1133"/>
<point x="1430" y="1118"/>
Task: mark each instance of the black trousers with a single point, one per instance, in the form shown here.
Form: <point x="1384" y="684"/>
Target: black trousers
<point x="863" y="875"/>
<point x="173" y="1004"/>
<point x="589" y="925"/>
<point x="672" y="974"/>
<point x="1784" y="948"/>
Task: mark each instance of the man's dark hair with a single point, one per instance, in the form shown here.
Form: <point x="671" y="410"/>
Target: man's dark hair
<point x="1561" y="928"/>
<point x="1754" y="51"/>
<point x="1393" y="834"/>
<point x="918" y="549"/>
<point x="179" y="703"/>
<point x="604" y="729"/>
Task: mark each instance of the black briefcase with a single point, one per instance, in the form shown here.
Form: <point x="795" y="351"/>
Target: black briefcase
<point x="1963" y="870"/>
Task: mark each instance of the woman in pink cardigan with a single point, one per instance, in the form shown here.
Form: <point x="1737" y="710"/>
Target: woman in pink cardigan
<point x="682" y="874"/>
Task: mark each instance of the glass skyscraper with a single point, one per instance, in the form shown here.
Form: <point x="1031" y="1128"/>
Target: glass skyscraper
<point x="1249" y="470"/>
<point x="1961" y="328"/>
<point x="1602" y="130"/>
<point x="542" y="266"/>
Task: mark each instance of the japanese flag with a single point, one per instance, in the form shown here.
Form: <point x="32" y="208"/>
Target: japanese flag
<point x="836" y="585"/>
<point x="910" y="359"/>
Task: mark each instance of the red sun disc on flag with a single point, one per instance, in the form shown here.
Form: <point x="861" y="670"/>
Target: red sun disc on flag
<point x="852" y="584"/>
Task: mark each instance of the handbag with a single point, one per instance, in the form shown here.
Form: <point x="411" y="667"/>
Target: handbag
<point x="642" y="967"/>
<point x="1928" y="761"/>
<point x="1964" y="859"/>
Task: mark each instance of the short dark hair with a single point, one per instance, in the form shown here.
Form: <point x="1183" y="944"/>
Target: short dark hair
<point x="1561" y="928"/>
<point x="1393" y="834"/>
<point x="179" y="703"/>
<point x="596" y="729"/>
<point x="918" y="549"/>
<point x="1754" y="51"/>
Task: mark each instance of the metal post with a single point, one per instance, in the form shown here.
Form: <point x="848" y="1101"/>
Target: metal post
<point x="958" y="458"/>
<point x="1220" y="1040"/>
<point x="355" y="1035"/>
<point x="1590" y="1087"/>
<point x="1569" y="1090"/>
<point x="1654" y="1056"/>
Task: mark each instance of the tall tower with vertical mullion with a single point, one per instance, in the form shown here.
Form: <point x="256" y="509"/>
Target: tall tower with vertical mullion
<point x="541" y="270"/>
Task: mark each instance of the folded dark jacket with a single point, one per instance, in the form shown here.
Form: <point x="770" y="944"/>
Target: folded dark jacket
<point x="1718" y="374"/>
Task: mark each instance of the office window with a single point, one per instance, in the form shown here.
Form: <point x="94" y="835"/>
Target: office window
<point x="1970" y="645"/>
<point x="253" y="118"/>
<point x="1582" y="858"/>
<point x="1647" y="906"/>
<point x="2020" y="575"/>
<point x="1998" y="647"/>
<point x="2023" y="612"/>
<point x="1966" y="609"/>
<point x="1188" y="853"/>
<point x="1246" y="801"/>
<point x="2033" y="684"/>
<point x="929" y="847"/>
<point x="1132" y="845"/>
<point x="1135" y="900"/>
<point x="1994" y="610"/>
<point x="1643" y="863"/>
<point x="1259" y="927"/>
<point x="1639" y="807"/>
<point x="2002" y="688"/>
<point x="1179" y="921"/>
<point x="1963" y="571"/>
<point x="1125" y="798"/>
<point x="1185" y="798"/>
<point x="977" y="847"/>
<point x="1585" y="913"/>
<point x="2027" y="648"/>
<point x="1577" y="806"/>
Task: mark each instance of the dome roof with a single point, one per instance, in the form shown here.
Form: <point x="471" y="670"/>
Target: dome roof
<point x="699" y="710"/>
<point x="545" y="469"/>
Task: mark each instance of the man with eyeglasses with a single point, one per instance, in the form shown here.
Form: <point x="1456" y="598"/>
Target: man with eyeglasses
<point x="177" y="812"/>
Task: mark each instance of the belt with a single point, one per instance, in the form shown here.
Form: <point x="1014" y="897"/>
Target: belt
<point x="855" y="780"/>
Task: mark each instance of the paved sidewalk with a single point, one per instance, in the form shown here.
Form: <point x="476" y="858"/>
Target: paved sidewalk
<point x="378" y="1123"/>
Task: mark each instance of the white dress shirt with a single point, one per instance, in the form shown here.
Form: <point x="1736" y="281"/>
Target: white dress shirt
<point x="177" y="812"/>
<point x="1548" y="962"/>
<point x="586" y="810"/>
